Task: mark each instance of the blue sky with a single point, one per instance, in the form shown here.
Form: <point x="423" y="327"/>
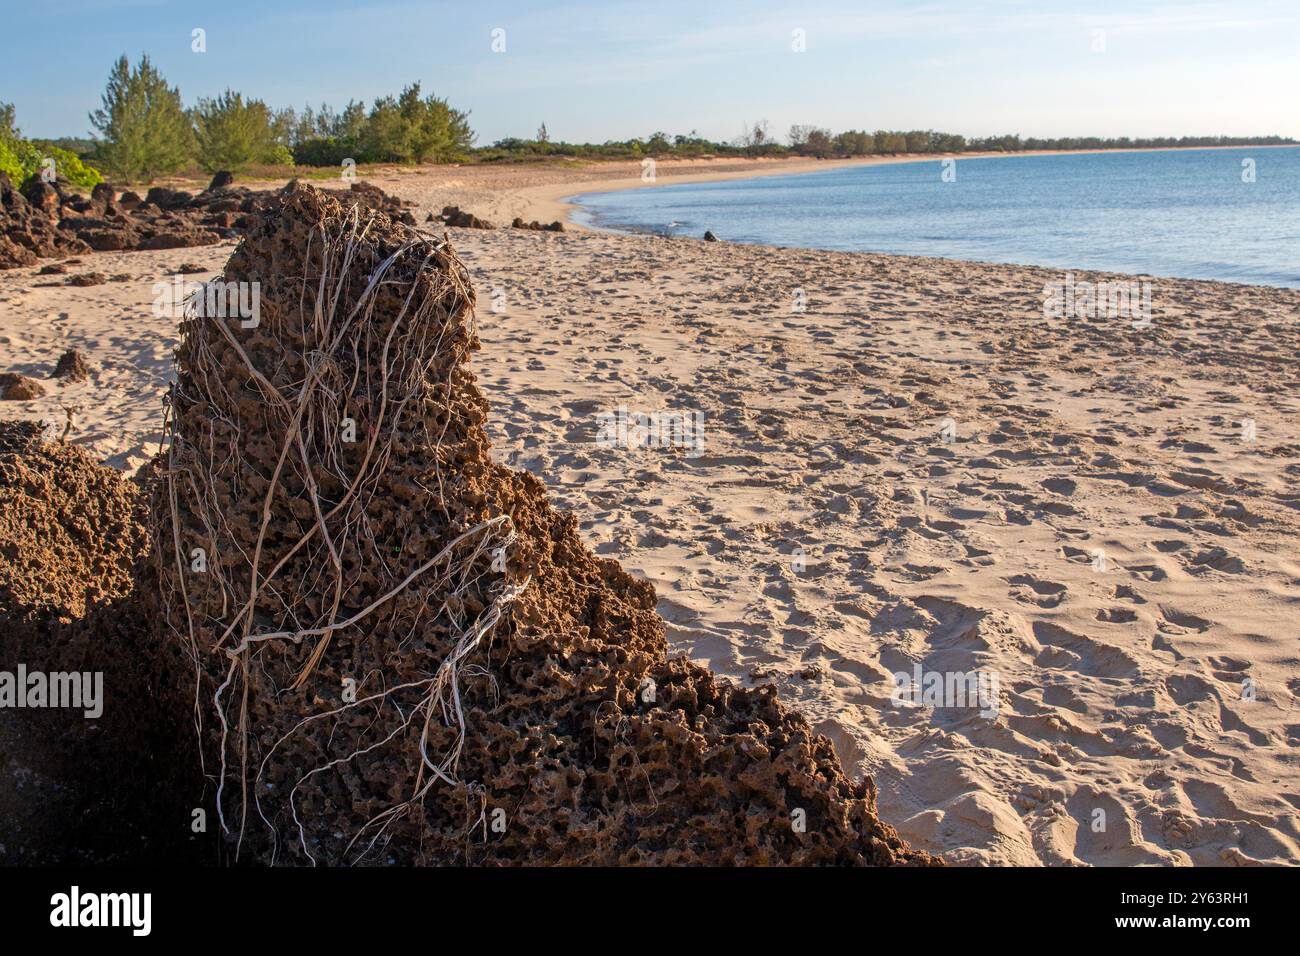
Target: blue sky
<point x="602" y="70"/>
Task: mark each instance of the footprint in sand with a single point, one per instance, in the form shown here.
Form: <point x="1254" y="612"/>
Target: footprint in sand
<point x="1167" y="546"/>
<point x="1215" y="559"/>
<point x="1028" y="589"/>
<point x="1060" y="486"/>
<point x="1116" y="615"/>
<point x="1182" y="620"/>
<point x="1092" y="658"/>
<point x="1148" y="572"/>
<point x="1124" y="592"/>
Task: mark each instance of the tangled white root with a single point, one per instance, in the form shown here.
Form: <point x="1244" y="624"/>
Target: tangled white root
<point x="308" y="416"/>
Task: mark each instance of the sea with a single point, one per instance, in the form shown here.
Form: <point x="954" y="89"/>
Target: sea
<point x="1227" y="214"/>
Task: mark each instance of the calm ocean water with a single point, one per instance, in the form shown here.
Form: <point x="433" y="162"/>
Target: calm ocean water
<point x="1184" y="213"/>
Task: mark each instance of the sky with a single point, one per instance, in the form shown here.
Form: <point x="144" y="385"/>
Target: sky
<point x="611" y="70"/>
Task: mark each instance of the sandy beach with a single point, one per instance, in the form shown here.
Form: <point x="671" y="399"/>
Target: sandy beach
<point x="904" y="463"/>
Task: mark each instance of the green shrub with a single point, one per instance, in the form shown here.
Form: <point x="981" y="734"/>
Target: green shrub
<point x="18" y="158"/>
<point x="324" y="151"/>
<point x="21" y="159"/>
<point x="67" y="166"/>
<point x="10" y="164"/>
<point x="280" y="155"/>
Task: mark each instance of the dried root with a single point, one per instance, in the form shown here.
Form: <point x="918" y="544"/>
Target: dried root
<point x="306" y="417"/>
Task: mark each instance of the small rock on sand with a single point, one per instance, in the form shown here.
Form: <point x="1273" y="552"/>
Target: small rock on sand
<point x="19" y="388"/>
<point x="72" y="367"/>
<point x="87" y="278"/>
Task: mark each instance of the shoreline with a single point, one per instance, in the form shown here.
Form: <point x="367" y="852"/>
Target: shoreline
<point x="562" y="202"/>
<point x="572" y="209"/>
<point x="542" y="191"/>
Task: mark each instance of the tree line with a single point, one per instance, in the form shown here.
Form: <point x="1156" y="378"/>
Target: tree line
<point x="817" y="142"/>
<point x="145" y="131"/>
<point x="821" y="143"/>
